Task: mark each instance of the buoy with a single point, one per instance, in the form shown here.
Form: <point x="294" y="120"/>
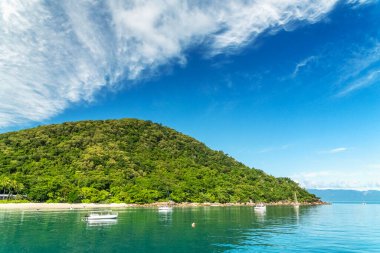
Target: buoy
<point x="193" y="225"/>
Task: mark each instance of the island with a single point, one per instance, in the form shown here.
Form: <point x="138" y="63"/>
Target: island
<point x="130" y="161"/>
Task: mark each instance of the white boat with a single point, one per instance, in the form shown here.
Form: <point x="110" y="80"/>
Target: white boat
<point x="260" y="207"/>
<point x="101" y="215"/>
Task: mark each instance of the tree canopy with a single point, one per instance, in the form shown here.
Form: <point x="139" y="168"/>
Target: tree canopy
<point x="130" y="161"/>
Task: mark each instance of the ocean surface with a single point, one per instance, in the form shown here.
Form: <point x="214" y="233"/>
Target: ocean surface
<point x="330" y="228"/>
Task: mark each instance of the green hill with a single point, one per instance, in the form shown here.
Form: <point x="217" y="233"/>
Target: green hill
<point x="130" y="161"/>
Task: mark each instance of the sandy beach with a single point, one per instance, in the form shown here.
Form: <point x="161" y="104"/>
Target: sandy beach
<point x="77" y="206"/>
<point x="59" y="206"/>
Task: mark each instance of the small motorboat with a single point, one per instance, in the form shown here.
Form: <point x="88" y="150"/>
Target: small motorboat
<point x="101" y="215"/>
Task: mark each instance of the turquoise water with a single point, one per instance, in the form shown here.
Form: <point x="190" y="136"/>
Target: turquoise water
<point x="334" y="228"/>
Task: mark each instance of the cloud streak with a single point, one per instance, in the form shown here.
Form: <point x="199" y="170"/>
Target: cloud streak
<point x="361" y="2"/>
<point x="302" y="64"/>
<point x="371" y="78"/>
<point x="361" y="70"/>
<point x="337" y="150"/>
<point x="56" y="53"/>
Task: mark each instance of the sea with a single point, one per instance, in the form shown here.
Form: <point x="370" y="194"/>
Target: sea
<point x="339" y="227"/>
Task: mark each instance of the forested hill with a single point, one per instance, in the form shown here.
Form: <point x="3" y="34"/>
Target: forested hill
<point x="130" y="161"/>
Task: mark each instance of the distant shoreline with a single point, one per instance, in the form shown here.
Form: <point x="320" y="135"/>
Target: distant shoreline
<point x="81" y="206"/>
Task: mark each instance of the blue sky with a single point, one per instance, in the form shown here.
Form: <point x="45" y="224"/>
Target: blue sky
<point x="290" y="87"/>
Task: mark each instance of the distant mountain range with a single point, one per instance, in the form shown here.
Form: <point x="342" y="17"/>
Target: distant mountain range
<point x="346" y="195"/>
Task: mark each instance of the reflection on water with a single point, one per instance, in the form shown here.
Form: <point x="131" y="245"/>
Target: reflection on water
<point x="268" y="226"/>
<point x="260" y="214"/>
<point x="165" y="209"/>
<point x="102" y="222"/>
<point x="297" y="212"/>
<point x="338" y="228"/>
<point x="165" y="216"/>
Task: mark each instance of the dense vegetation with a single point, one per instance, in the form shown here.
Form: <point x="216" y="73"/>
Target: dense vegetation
<point x="130" y="161"/>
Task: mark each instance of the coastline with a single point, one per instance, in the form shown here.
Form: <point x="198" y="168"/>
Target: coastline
<point x="84" y="206"/>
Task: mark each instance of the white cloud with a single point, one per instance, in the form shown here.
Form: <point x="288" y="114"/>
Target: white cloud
<point x="336" y="150"/>
<point x="243" y="21"/>
<point x="374" y="166"/>
<point x="364" y="179"/>
<point x="55" y="53"/>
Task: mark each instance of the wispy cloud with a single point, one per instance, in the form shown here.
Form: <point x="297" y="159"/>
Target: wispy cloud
<point x="56" y="53"/>
<point x="336" y="150"/>
<point x="362" y="69"/>
<point x="302" y="64"/>
<point x="371" y="78"/>
<point x="362" y="179"/>
<point x="361" y="2"/>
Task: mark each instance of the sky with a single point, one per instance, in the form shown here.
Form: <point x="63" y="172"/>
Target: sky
<point x="289" y="87"/>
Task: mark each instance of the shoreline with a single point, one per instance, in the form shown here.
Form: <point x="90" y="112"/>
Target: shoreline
<point x="85" y="206"/>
